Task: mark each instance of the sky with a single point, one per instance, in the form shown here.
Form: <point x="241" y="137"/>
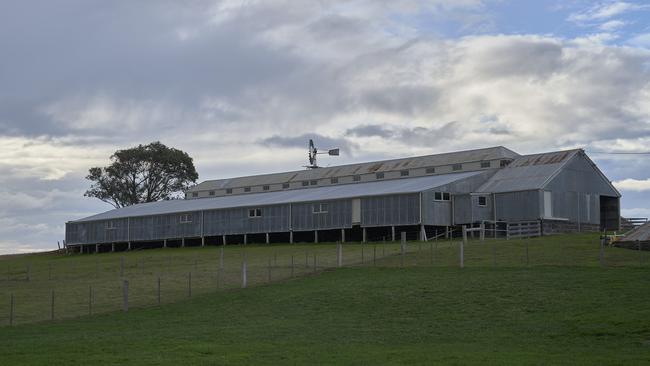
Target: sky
<point x="242" y="84"/>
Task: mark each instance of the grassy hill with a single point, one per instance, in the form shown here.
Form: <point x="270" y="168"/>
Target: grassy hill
<point x="555" y="305"/>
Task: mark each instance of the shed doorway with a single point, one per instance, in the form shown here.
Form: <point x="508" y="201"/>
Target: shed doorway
<point x="610" y="214"/>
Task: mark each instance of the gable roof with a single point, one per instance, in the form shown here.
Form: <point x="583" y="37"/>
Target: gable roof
<point x="364" y="189"/>
<point x="528" y="172"/>
<point x="491" y="153"/>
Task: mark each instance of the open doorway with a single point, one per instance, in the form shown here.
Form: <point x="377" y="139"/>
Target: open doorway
<point x="610" y="214"/>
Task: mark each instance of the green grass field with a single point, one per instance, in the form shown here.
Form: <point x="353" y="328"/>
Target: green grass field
<point x="546" y="301"/>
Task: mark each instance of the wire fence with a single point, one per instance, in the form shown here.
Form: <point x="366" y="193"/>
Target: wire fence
<point x="35" y="289"/>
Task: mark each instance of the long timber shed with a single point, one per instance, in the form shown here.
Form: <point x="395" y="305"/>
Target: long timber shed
<point x="424" y="196"/>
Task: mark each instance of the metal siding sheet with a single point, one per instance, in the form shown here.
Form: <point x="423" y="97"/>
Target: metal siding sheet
<point x="518" y="206"/>
<point x="389" y="210"/>
<point x="339" y="215"/>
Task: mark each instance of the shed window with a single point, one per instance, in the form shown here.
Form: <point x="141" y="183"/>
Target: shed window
<point x="285" y="185"/>
<point x="266" y="188"/>
<point x="305" y="183"/>
<point x="504" y="163"/>
<point x="111" y="225"/>
<point x="255" y="212"/>
<point x="379" y="175"/>
<point x="334" y="180"/>
<point x="195" y="194"/>
<point x="356" y="178"/>
<point x="485" y="164"/>
<point x="482" y="201"/>
<point x="404" y="173"/>
<point x="320" y="207"/>
<point x="247" y="189"/>
<point x="431" y="170"/>
<point x="185" y="218"/>
<point x="441" y="196"/>
<point x="457" y="167"/>
<point x="313" y="182"/>
<point x="211" y="193"/>
<point x="229" y="191"/>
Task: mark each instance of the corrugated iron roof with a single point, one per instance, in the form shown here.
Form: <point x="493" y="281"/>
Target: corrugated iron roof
<point x="396" y="186"/>
<point x="528" y="172"/>
<point x="491" y="153"/>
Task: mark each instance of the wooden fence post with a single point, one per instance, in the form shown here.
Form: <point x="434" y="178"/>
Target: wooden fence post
<point x="244" y="274"/>
<point x="374" y="255"/>
<point x="125" y="295"/>
<point x="339" y="255"/>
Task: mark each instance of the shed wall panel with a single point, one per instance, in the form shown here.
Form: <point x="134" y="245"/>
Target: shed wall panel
<point x="403" y="209"/>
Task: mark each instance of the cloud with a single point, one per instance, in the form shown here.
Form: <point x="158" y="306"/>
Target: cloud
<point x="633" y="185"/>
<point x="641" y="40"/>
<point x="606" y="10"/>
<point x="612" y="25"/>
<point x="322" y="142"/>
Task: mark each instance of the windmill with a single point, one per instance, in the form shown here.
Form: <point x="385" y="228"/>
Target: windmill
<point x="313" y="152"/>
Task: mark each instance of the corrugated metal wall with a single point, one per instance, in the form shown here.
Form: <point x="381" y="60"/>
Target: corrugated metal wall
<point x="403" y="209"/>
<point x="518" y="206"/>
<point x="435" y="212"/>
<point x="338" y="215"/>
<point x="236" y="221"/>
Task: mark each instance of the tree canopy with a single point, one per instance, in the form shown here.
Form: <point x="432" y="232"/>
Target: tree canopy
<point x="146" y="173"/>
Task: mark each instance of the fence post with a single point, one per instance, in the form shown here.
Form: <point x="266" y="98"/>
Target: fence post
<point x="462" y="247"/>
<point x="125" y="295"/>
<point x="482" y="231"/>
<point x="402" y="248"/>
<point x="221" y="259"/>
<point x="374" y="255"/>
<point x="12" y="305"/>
<point x="243" y="273"/>
<point x="158" y="292"/>
<point x="339" y="255"/>
<point x="362" y="259"/>
<point x="189" y="284"/>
